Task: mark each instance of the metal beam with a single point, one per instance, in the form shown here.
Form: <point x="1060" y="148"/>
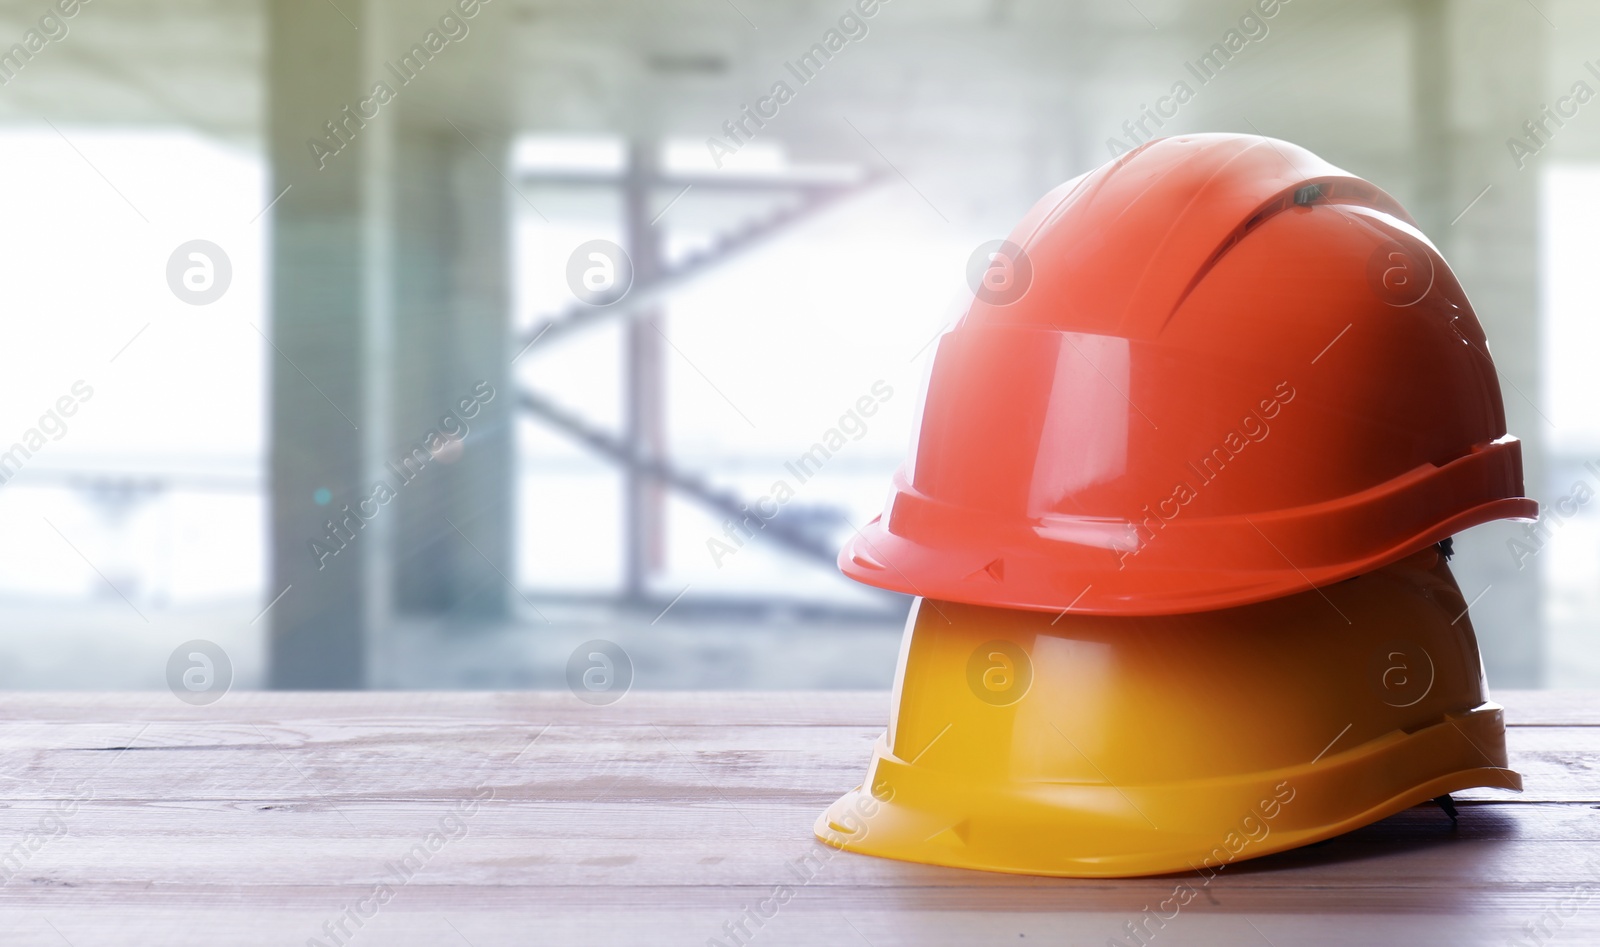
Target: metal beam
<point x="644" y="414"/>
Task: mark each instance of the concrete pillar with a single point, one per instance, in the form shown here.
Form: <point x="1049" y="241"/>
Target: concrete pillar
<point x="1478" y="74"/>
<point x="453" y="542"/>
<point x="390" y="306"/>
<point x="323" y="317"/>
<point x="1433" y="168"/>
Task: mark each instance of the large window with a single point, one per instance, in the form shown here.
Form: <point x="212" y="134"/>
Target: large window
<point x="1570" y="495"/>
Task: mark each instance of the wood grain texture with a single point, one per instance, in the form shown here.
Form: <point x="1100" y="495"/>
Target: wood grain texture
<point x="657" y="820"/>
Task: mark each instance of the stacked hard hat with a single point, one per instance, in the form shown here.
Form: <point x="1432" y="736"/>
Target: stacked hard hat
<point x="1177" y="519"/>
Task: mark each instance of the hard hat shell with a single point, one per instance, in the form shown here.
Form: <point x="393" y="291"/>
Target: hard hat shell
<point x="1237" y="372"/>
<point x="1133" y="745"/>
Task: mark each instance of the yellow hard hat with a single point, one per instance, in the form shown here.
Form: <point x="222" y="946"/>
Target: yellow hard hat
<point x="1085" y="745"/>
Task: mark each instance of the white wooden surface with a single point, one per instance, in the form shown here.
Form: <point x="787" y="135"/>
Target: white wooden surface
<point x="657" y="820"/>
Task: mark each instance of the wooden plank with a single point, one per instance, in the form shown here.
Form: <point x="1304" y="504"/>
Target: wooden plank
<point x="664" y="920"/>
<point x="1550" y="708"/>
<point x="419" y="709"/>
<point x="523" y="849"/>
<point x="306" y="761"/>
<point x="656" y="820"/>
<point x="684" y="708"/>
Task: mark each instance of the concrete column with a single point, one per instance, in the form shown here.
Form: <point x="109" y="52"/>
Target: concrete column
<point x="1478" y="74"/>
<point x="322" y="320"/>
<point x="390" y="305"/>
<point x="454" y="519"/>
<point x="1433" y="169"/>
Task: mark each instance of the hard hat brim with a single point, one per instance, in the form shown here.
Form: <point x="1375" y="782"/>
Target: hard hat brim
<point x="1083" y="745"/>
<point x="1088" y="831"/>
<point x="1194" y="564"/>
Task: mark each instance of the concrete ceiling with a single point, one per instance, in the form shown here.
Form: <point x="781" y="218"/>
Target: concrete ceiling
<point x="975" y="72"/>
<point x="1026" y="91"/>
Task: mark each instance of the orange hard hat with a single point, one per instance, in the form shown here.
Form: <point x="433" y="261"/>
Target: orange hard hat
<point x="1224" y="371"/>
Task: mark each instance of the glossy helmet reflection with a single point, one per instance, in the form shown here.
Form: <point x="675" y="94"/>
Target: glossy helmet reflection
<point x="1237" y="372"/>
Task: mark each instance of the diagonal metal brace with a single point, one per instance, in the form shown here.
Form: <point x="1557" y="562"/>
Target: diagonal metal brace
<point x="722" y="501"/>
<point x="641" y="298"/>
